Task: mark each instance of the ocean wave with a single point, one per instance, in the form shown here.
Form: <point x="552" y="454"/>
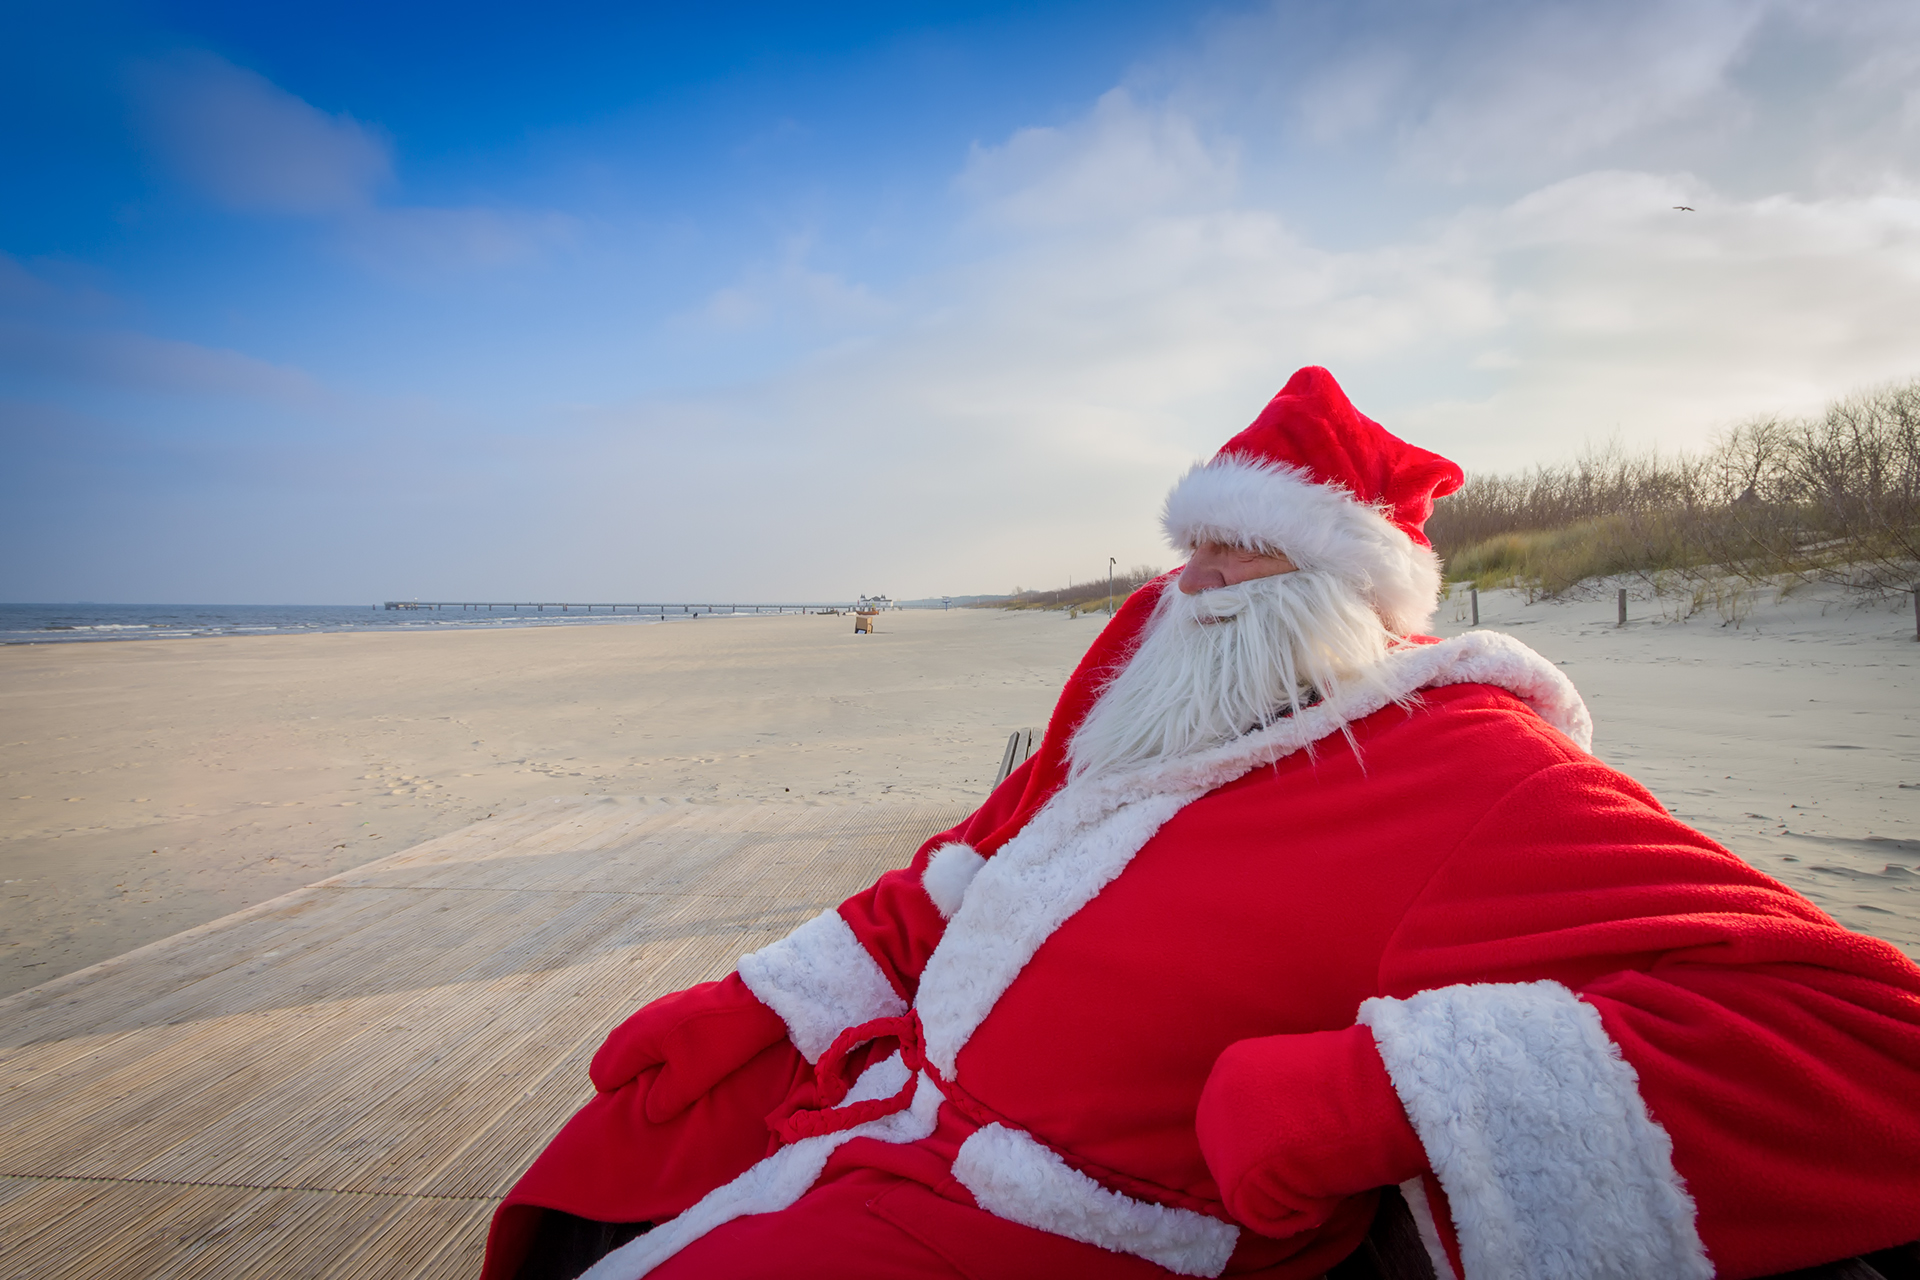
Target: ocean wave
<point x="54" y="624"/>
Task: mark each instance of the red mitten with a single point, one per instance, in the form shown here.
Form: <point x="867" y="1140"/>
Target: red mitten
<point x="1292" y="1125"/>
<point x="696" y="1037"/>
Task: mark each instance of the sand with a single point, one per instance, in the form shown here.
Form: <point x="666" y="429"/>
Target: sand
<point x="148" y="786"/>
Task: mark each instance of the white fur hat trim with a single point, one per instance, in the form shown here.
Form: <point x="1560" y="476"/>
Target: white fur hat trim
<point x="1320" y="527"/>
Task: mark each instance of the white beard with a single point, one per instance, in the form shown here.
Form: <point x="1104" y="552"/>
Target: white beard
<point x="1222" y="663"/>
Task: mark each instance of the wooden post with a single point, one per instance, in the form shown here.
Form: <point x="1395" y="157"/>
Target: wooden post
<point x="1623" y="608"/>
<point x="1473" y="595"/>
<point x="1916" y="611"/>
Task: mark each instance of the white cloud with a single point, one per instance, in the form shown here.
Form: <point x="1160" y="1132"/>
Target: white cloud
<point x="1119" y="161"/>
<point x="1559" y="82"/>
<point x="127" y="360"/>
<point x="791" y="291"/>
<point x="1506" y="92"/>
<point x="1625" y="316"/>
<point x="415" y="242"/>
<point x="1019" y="418"/>
<point x="253" y="146"/>
<point x="63" y="331"/>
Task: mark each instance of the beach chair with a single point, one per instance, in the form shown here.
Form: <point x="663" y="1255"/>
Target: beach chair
<point x="1019" y="747"/>
<point x="863" y="623"/>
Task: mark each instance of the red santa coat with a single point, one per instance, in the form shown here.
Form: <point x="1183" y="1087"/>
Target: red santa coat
<point x="1622" y="1050"/>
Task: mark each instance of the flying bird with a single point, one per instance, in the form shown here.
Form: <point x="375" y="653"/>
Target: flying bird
<point x="1684" y="208"/>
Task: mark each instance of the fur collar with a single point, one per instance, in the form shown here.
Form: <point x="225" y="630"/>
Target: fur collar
<point x="1084" y="837"/>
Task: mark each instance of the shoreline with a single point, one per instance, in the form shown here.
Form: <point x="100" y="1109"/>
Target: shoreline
<point x="212" y="621"/>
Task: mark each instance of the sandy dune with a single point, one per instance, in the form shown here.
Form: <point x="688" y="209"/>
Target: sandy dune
<point x="149" y="786"/>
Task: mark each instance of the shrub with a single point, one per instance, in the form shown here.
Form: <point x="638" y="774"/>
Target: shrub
<point x="1083" y="596"/>
<point x="1834" y="497"/>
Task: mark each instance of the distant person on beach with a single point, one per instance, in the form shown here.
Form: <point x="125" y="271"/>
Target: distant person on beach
<point x="1292" y="905"/>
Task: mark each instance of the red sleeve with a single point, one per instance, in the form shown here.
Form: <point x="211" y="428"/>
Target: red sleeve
<point x="1778" y="1051"/>
<point x="895" y="919"/>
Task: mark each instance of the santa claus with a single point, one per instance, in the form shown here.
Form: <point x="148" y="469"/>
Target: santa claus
<point x="1293" y="904"/>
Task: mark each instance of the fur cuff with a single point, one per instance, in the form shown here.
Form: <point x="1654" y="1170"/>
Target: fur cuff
<point x="1014" y="1177"/>
<point x="821" y="981"/>
<point x="949" y="871"/>
<point x="1537" y="1132"/>
<point x="1317" y="526"/>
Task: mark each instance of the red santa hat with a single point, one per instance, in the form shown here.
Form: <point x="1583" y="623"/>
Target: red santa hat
<point x="1331" y="489"/>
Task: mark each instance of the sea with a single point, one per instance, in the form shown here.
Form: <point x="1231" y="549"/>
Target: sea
<point x="75" y="623"/>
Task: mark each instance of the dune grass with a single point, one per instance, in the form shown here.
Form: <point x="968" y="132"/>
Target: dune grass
<point x="1833" y="497"/>
<point x="1078" y="597"/>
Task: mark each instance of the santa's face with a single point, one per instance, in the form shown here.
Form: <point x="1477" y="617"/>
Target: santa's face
<point x="1218" y="564"/>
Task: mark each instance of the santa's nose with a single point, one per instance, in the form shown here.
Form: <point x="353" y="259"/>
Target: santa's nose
<point x="1193" y="581"/>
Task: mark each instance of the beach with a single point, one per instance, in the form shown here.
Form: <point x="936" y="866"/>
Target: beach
<point x="154" y="785"/>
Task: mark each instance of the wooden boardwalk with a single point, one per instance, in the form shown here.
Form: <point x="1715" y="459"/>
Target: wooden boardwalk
<point x="343" y="1081"/>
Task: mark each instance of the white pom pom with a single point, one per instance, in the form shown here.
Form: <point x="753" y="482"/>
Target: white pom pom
<point x="949" y="871"/>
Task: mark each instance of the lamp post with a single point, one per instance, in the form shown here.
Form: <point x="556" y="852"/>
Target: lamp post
<point x="1110" y="563"/>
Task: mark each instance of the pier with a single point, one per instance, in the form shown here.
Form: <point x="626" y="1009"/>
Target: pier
<point x="660" y="610"/>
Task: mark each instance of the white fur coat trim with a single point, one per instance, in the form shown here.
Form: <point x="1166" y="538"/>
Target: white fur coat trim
<point x="1534" y="1123"/>
<point x="1244" y="502"/>
<point x="780" y="1179"/>
<point x="1016" y="1178"/>
<point x="1085" y="836"/>
<point x="950" y="869"/>
<point x="821" y="981"/>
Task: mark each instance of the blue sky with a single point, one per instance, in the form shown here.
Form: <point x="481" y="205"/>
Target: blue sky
<point x="349" y="302"/>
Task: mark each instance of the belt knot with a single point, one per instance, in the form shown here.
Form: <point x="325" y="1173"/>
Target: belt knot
<point x="834" y="1078"/>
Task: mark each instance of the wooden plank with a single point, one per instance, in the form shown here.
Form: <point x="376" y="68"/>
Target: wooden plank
<point x="462" y="1251"/>
<point x="411" y="1240"/>
<point x="136" y="1228"/>
<point x="78" y="1228"/>
<point x="279" y="1233"/>
<point x="118" y="1123"/>
<point x="13" y="1188"/>
<point x="344" y="1080"/>
<point x="56" y="1008"/>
